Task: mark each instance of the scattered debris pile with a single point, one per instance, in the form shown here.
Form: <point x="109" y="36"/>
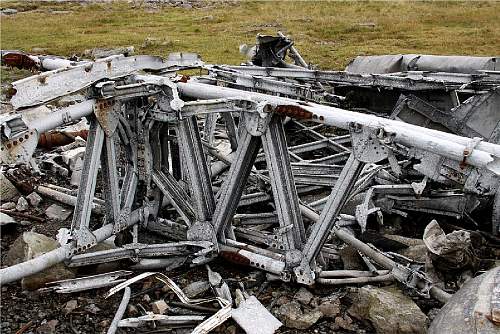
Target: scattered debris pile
<point x="358" y="200"/>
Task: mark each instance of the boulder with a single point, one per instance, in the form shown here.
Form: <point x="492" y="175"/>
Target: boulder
<point x="389" y="311"/>
<point x="292" y="315"/>
<point x="30" y="245"/>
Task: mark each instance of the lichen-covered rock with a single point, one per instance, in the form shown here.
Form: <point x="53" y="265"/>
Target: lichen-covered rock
<point x="303" y="296"/>
<point x="293" y="316"/>
<point x="30" y="245"/>
<point x="389" y="310"/>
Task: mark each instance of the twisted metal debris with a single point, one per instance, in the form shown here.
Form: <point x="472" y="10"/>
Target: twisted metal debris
<point x="215" y="147"/>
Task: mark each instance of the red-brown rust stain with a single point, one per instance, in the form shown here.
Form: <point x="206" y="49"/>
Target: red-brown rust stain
<point x="19" y="60"/>
<point x="293" y="111"/>
<point x="184" y="78"/>
<point x="235" y="258"/>
<point x="59" y="138"/>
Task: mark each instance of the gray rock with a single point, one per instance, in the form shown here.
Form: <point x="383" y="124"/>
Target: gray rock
<point x="329" y="307"/>
<point x="389" y="310"/>
<point x="292" y="316"/>
<point x="8" y="206"/>
<point x="30" y="245"/>
<point x="70" y="306"/>
<point x="57" y="213"/>
<point x="159" y="306"/>
<point x="6" y="219"/>
<point x="34" y="199"/>
<point x="7" y="189"/>
<point x="196" y="288"/>
<point x="22" y="204"/>
<point x="48" y="327"/>
<point x="132" y="311"/>
<point x="92" y="308"/>
<point x="303" y="296"/>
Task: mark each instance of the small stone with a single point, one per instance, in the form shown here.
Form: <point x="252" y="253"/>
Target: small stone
<point x="34" y="199"/>
<point x="159" y="307"/>
<point x="48" y="327"/>
<point x="132" y="311"/>
<point x="330" y="308"/>
<point x="92" y="308"/>
<point x="187" y="6"/>
<point x="8" y="206"/>
<point x="283" y="300"/>
<point x="303" y="296"/>
<point x="22" y="204"/>
<point x="105" y="323"/>
<point x="57" y="213"/>
<point x="344" y="322"/>
<point x="231" y="330"/>
<point x="196" y="288"/>
<point x="70" y="306"/>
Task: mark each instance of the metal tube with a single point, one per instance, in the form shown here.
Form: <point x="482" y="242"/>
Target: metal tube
<point x="447" y="145"/>
<point x="382" y="260"/>
<point x="355" y="280"/>
<point x="63" y="116"/>
<point x="47" y="260"/>
<point x="120" y="312"/>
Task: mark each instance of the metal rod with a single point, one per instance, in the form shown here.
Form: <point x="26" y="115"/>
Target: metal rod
<point x="120" y="312"/>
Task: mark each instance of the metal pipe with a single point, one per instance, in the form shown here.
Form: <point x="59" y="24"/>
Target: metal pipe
<point x="63" y="116"/>
<point x="97" y="204"/>
<point x="356" y="280"/>
<point x="448" y="145"/>
<point x="120" y="312"/>
<point x="47" y="260"/>
<point x="381" y="259"/>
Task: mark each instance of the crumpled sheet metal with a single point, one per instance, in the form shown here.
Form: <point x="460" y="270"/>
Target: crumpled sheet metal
<point x="206" y="326"/>
<point x="251" y="313"/>
<point x="440" y="243"/>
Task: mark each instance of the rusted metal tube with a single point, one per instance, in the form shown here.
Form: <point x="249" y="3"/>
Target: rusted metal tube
<point x="52" y="139"/>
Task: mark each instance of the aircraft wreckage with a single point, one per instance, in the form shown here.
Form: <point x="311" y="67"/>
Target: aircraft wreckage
<point x="272" y="165"/>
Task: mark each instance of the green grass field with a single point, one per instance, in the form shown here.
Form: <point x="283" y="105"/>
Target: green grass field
<point x="328" y="34"/>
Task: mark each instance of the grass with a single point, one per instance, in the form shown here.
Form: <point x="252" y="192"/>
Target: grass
<point x="327" y="34"/>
